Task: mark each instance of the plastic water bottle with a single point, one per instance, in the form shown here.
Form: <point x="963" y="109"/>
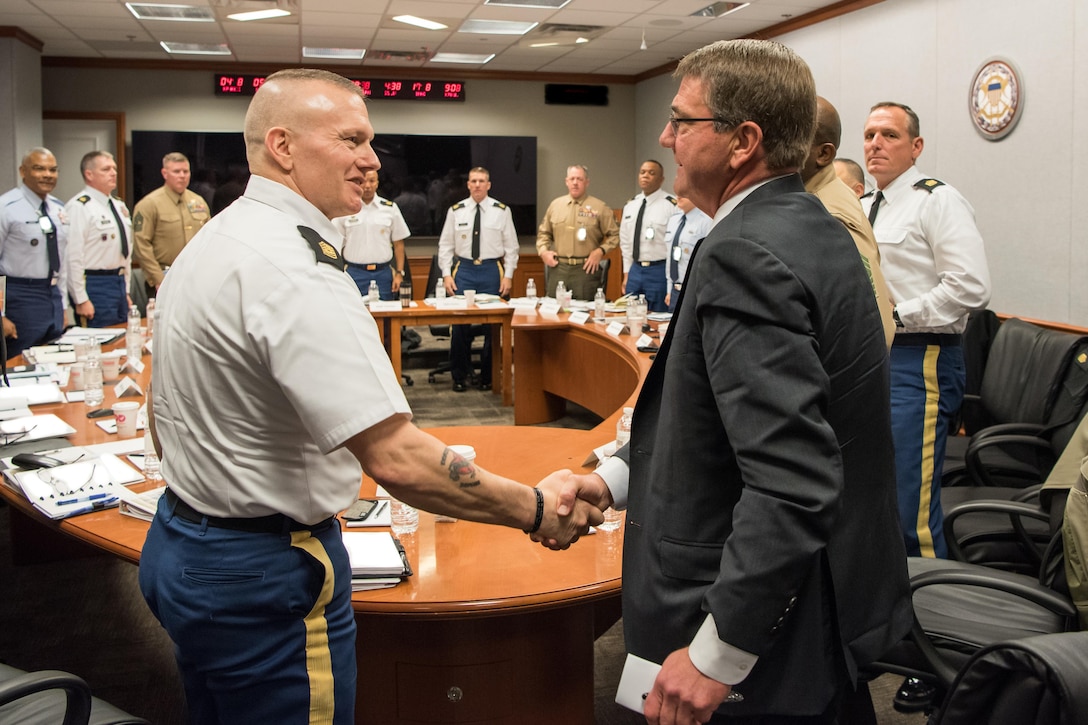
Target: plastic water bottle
<point x="623" y="428"/>
<point x="151" y="458"/>
<point x="598" y="306"/>
<point x="530" y="289"/>
<point x="372" y="291"/>
<point x="92" y="377"/>
<point x="150" y="317"/>
<point x="440" y="290"/>
<point x="134" y="338"/>
<point x="560" y="293"/>
<point x="403" y="519"/>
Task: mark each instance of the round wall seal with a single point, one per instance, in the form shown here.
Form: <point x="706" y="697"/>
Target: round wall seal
<point x="996" y="98"/>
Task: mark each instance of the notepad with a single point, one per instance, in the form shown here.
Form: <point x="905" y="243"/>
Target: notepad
<point x="373" y="554"/>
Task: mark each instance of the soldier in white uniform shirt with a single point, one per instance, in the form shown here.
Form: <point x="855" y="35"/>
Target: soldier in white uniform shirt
<point x="374" y="242"/>
<point x="99" y="245"/>
<point x="33" y="241"/>
<point x="478" y="250"/>
<point x="686" y="227"/>
<point x="642" y="237"/>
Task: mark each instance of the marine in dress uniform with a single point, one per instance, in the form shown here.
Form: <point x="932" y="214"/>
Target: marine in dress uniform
<point x="934" y="262"/>
<point x="642" y="237"/>
<point x="165" y="220"/>
<point x="374" y="242"/>
<point x="33" y="242"/>
<point x="99" y="245"/>
<point x="577" y="231"/>
<point x="477" y="250"/>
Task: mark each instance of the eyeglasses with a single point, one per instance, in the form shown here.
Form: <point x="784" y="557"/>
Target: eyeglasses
<point x="71" y="479"/>
<point x="675" y="121"/>
<point x="8" y="436"/>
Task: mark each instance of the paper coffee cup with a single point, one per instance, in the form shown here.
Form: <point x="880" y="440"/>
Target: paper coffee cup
<point x="470" y="297"/>
<point x="111" y="367"/>
<point x="126" y="413"/>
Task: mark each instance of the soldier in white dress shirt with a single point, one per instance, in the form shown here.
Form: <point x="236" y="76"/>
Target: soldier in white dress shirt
<point x="374" y="242"/>
<point x="686" y="227"/>
<point x="478" y="250"/>
<point x="99" y="245"/>
<point x="642" y="237"/>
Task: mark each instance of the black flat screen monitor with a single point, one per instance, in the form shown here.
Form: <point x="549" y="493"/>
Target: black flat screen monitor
<point x="424" y="174"/>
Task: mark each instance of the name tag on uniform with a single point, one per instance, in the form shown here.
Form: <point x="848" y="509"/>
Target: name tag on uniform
<point x="352" y="221"/>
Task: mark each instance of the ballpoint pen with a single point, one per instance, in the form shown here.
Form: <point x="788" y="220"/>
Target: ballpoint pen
<point x="378" y="511"/>
<point x="95" y="506"/>
<point x="84" y="499"/>
<point x="403" y="557"/>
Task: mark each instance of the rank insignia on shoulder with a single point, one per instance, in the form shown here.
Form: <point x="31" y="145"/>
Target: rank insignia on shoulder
<point x="928" y="184"/>
<point x="323" y="251"/>
<point x="83" y="199"/>
<point x="458" y="205"/>
<point x="499" y="204"/>
<point x="386" y="202"/>
<point x="671" y="199"/>
<point x="867" y="194"/>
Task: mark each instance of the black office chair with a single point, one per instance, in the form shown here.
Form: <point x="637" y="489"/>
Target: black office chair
<point x="52" y="697"/>
<point x="442" y="332"/>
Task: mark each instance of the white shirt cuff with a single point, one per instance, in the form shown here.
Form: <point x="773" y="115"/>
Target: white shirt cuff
<point x="615" y="473"/>
<point x="719" y="660"/>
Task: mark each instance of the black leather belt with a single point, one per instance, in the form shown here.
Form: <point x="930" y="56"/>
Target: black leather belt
<point x="469" y="260"/>
<point x="272" y="524"/>
<point x="104" y="272"/>
<point x="370" y="267"/>
<point x="924" y="339"/>
<point x="32" y="281"/>
<point x="651" y="264"/>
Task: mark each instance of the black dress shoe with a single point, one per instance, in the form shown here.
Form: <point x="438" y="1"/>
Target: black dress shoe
<point x="484" y="386"/>
<point x="459" y="386"/>
<point x="914" y="695"/>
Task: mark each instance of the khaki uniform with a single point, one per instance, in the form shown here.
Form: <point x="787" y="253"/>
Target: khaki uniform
<point x="162" y="224"/>
<point x="573" y="228"/>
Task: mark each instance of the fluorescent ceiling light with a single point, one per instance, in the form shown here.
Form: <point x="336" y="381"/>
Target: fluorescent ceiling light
<point x="195" y="48"/>
<point x="544" y="45"/>
<point x="556" y="4"/>
<point x="496" y="27"/>
<point x="259" y="14"/>
<point x="420" y="22"/>
<point x="479" y="58"/>
<point x="176" y="13"/>
<point x="720" y="9"/>
<point x="338" y="53"/>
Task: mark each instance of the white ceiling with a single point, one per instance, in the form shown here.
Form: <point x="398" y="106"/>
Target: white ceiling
<point x="105" y="29"/>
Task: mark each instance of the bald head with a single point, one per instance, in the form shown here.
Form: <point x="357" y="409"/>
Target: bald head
<point x="825" y="142"/>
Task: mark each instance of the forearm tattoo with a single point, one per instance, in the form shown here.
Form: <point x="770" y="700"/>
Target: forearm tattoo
<point x="461" y="471"/>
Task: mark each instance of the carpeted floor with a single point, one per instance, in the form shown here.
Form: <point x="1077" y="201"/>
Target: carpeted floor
<point x="86" y="616"/>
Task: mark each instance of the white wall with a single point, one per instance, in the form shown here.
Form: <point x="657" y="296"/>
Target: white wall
<point x="1024" y="188"/>
<point x="600" y="137"/>
<point x="20" y="105"/>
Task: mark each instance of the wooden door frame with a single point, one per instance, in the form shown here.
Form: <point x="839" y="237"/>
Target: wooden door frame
<point x="119" y="127"/>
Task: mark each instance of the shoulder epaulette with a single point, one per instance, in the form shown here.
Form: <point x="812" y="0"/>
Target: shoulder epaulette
<point x="499" y="204"/>
<point x="83" y="199"/>
<point x="672" y="199"/>
<point x="323" y="251"/>
<point x="386" y="202"/>
<point x="631" y="199"/>
<point x="458" y="205"/>
<point x="928" y="184"/>
<point x="867" y="194"/>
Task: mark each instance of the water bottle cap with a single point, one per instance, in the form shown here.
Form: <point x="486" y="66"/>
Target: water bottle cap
<point x="628" y="411"/>
<point x="467" y="452"/>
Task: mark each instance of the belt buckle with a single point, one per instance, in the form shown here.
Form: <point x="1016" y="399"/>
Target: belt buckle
<point x="476" y="262"/>
<point x="371" y="267"/>
<point x="644" y="264"/>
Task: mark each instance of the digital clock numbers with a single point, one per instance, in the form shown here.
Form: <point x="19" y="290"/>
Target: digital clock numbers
<point x="402" y="90"/>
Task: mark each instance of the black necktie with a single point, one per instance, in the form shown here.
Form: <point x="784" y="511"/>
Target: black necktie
<point x="476" y="235"/>
<point x="877" y="198"/>
<point x="120" y="229"/>
<point x="638" y="232"/>
<point x="674" y="263"/>
<point x="51" y="243"/>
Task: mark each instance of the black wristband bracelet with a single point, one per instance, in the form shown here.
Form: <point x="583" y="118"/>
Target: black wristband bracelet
<point x="539" y="511"/>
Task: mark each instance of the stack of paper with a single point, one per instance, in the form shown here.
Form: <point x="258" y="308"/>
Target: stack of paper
<point x="140" y="505"/>
<point x="376" y="561"/>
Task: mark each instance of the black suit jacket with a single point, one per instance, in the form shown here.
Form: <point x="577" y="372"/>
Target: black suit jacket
<point x="762" y="481"/>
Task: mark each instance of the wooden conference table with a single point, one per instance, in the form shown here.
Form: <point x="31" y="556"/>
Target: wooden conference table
<point x="491" y="628"/>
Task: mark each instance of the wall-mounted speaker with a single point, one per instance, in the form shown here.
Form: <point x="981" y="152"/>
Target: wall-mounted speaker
<point x="569" y="94"/>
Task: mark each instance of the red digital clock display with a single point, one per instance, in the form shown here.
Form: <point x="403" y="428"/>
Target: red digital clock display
<point x="401" y="90"/>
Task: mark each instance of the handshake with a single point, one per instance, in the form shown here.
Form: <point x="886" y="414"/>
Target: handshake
<point x="572" y="503"/>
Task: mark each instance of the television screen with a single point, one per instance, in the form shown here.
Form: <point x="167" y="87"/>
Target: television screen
<point x="424" y="174"/>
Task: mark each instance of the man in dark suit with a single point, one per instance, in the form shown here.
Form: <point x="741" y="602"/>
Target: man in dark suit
<point x="762" y="559"/>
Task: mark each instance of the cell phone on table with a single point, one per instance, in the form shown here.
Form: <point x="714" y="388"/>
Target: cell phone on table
<point x="360" y="510"/>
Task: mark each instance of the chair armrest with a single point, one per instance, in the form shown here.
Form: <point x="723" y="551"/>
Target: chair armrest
<point x="977" y="470"/>
<point x="76" y="691"/>
<point x="1015" y="509"/>
<point x="1000" y="581"/>
<point x="1008" y="428"/>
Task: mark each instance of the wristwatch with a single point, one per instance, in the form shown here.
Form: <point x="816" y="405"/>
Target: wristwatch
<point x="895" y="316"/>
<point x="398" y="271"/>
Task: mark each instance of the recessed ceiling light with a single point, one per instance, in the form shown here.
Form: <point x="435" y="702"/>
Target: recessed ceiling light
<point x="176" y="13"/>
<point x="195" y="48"/>
<point x="544" y="45"/>
<point x="720" y="9"/>
<point x="528" y="3"/>
<point x="259" y="14"/>
<point x="339" y="53"/>
<point x="496" y="27"/>
<point x="420" y="22"/>
<point x="478" y="58"/>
